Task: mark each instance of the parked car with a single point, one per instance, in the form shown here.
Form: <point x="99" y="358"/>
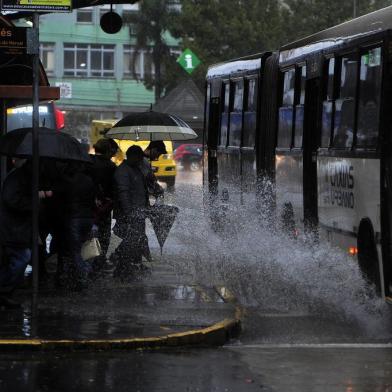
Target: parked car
<point x="189" y="156"/>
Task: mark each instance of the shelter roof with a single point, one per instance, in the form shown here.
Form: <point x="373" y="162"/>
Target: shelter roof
<point x="185" y="101"/>
<point x="16" y="78"/>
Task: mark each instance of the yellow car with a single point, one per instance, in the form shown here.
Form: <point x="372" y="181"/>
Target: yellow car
<point x="164" y="168"/>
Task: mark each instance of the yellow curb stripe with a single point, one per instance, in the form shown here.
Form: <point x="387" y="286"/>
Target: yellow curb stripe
<point x="216" y="334"/>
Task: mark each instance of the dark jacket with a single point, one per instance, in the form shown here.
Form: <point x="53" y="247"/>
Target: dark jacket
<point x="16" y="209"/>
<point x="153" y="187"/>
<point x="74" y="195"/>
<point x="102" y="171"/>
<point x="130" y="190"/>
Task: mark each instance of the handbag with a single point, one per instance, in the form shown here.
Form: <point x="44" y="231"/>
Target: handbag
<point x="90" y="249"/>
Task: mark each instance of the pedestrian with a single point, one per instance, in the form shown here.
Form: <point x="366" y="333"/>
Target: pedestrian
<point x="131" y="201"/>
<point x="15" y="231"/>
<point x="102" y="172"/>
<point x="152" y="153"/>
<point x="74" y="194"/>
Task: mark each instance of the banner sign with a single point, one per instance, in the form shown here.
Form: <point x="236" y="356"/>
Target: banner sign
<point x="65" y="89"/>
<point x="37" y="5"/>
<point x="13" y="40"/>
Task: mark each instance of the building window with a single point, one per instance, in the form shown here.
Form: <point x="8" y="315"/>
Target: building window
<point x="89" y="60"/>
<point x="132" y="65"/>
<point x="141" y="66"/>
<point x="46" y="52"/>
<point x="85" y="15"/>
<point x="149" y="69"/>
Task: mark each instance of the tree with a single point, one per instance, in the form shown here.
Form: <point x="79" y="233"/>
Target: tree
<point x="305" y="17"/>
<point x="218" y="30"/>
<point x="151" y="25"/>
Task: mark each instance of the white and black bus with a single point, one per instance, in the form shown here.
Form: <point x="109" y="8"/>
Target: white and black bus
<point x="314" y="119"/>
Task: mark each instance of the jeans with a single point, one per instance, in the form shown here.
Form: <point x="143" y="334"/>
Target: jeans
<point x="104" y="233"/>
<point x="11" y="273"/>
<point x="129" y="252"/>
<point x="71" y="264"/>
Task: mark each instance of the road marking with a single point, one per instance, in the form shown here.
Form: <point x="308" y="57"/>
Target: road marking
<point x="285" y="315"/>
<point x="311" y="345"/>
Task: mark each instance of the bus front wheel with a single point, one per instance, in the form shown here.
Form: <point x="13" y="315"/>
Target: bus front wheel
<point x="367" y="254"/>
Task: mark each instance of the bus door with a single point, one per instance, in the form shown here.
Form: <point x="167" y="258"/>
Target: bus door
<point x="213" y="111"/>
<point x="230" y="172"/>
<point x="386" y="221"/>
<point x="248" y="150"/>
<point x="386" y="176"/>
<point x="311" y="89"/>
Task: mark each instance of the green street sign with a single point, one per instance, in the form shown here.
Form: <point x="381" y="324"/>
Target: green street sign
<point x="188" y="60"/>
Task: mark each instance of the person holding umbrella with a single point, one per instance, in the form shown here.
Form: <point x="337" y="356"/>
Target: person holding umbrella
<point x="56" y="146"/>
<point x="154" y="127"/>
<point x="152" y="153"/>
<point x="15" y="229"/>
<point x="131" y="201"/>
<point x="74" y="193"/>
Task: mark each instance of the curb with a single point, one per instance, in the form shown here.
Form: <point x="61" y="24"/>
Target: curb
<point x="215" y="335"/>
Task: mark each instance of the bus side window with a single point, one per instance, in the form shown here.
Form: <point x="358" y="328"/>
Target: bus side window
<point x="207" y="110"/>
<point x="225" y="114"/>
<point x="249" y="131"/>
<point x="343" y="133"/>
<point x="299" y="108"/>
<point x="286" y="111"/>
<point x="328" y="105"/>
<point x="236" y="114"/>
<point x="369" y="98"/>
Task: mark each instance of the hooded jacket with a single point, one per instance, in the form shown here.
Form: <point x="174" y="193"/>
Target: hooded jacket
<point x="130" y="189"/>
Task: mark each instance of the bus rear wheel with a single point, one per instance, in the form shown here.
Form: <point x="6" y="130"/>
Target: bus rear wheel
<point x="367" y="254"/>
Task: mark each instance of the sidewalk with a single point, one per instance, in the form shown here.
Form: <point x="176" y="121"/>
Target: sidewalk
<point x="159" y="310"/>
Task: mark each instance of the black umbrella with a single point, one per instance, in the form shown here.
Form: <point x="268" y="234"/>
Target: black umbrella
<point x="52" y="144"/>
<point x="151" y="126"/>
<point x="162" y="218"/>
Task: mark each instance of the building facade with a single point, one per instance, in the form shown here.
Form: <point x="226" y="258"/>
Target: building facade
<point x="98" y="73"/>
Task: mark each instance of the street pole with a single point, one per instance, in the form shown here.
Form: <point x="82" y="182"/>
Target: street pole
<point x="35" y="163"/>
<point x="355" y="8"/>
<point x="3" y="125"/>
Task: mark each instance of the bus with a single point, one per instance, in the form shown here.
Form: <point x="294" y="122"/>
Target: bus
<point x="22" y="116"/>
<point x="309" y="125"/>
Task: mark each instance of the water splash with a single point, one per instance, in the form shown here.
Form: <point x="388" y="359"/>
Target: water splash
<point x="267" y="268"/>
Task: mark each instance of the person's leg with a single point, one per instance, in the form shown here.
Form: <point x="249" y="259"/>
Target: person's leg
<point x="12" y="271"/>
<point x="104" y="233"/>
<point x="81" y="229"/>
